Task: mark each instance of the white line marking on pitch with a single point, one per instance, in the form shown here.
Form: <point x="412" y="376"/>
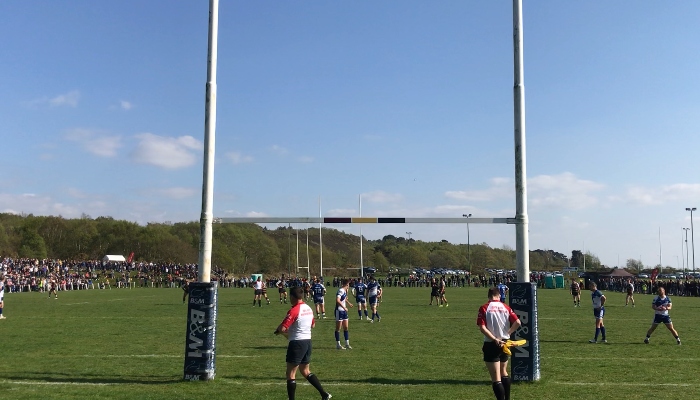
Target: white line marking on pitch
<point x="60" y="383"/>
<point x="626" y="358"/>
<point x="620" y="384"/>
<point x="150" y="356"/>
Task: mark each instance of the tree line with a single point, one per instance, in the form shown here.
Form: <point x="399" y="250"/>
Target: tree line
<point x="249" y="248"/>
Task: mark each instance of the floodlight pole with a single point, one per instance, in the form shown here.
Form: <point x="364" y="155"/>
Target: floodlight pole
<point x="200" y="343"/>
<point x="522" y="246"/>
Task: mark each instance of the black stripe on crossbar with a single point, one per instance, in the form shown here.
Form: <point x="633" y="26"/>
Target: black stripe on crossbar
<point x="391" y="220"/>
<point x="337" y="220"/>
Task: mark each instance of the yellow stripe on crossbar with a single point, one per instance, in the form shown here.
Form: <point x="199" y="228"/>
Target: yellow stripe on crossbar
<point x="364" y="220"/>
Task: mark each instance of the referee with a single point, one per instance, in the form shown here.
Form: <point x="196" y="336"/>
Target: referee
<point x="297" y="327"/>
<point x="497" y="322"/>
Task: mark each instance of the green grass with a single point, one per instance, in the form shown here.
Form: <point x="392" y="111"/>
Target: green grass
<point x="129" y="344"/>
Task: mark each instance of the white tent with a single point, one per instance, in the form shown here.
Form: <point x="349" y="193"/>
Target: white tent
<point x="113" y="258"/>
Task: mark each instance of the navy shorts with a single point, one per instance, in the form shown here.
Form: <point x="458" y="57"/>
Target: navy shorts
<point x="599" y="312"/>
<point x="662" y="319"/>
<point x="341" y="315"/>
<point x="299" y="352"/>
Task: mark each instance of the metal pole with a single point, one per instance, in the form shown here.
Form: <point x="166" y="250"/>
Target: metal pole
<point x="289" y="250"/>
<point x="320" y="235"/>
<point x="209" y="146"/>
<point x="682" y="259"/>
<point x="410" y="257"/>
<point x="522" y="245"/>
<point x="692" y="234"/>
<point x="469" y="248"/>
<point x="687" y="261"/>
<point x="660" y="263"/>
<point x="362" y="265"/>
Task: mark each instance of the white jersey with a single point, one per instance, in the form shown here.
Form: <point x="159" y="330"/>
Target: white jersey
<point x="373" y="289"/>
<point x="497" y="317"/>
<point x="299" y="321"/>
<point x="2" y="290"/>
<point x="342" y="295"/>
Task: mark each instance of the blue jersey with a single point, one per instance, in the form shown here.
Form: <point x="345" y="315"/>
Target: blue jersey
<point x="318" y="289"/>
<point x="597" y="296"/>
<point x="373" y="289"/>
<point x="502" y="287"/>
<point x="661" y="301"/>
<point x="360" y="288"/>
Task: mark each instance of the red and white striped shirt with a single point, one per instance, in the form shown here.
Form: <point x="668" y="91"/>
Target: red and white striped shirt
<point x="299" y="321"/>
<point x="497" y="317"/>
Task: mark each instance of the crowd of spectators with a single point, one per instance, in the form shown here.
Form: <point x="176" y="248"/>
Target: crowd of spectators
<point x="25" y="275"/>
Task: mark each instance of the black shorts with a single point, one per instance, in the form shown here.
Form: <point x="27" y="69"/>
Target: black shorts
<point x="299" y="352"/>
<point x="575" y="294"/>
<point x="258" y="292"/>
<point x="493" y="353"/>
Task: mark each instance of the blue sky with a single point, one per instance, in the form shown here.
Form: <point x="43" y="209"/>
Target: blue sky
<point x="407" y="103"/>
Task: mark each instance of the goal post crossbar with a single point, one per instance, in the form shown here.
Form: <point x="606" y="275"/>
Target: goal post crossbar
<point x="360" y="220"/>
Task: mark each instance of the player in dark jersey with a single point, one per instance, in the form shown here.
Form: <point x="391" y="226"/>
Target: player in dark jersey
<point x="374" y="290"/>
<point x="575" y="290"/>
<point x="434" y="292"/>
<point x="307" y="288"/>
<point x="661" y="304"/>
<point x="360" y="290"/>
<point x="53" y="286"/>
<point x="319" y="291"/>
<point x="185" y="290"/>
<point x="282" y="289"/>
<point x="598" y="299"/>
<point x="503" y="291"/>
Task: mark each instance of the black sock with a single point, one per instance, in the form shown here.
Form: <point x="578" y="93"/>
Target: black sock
<point x="291" y="388"/>
<point x="498" y="390"/>
<point x="313" y="380"/>
<point x="505" y="380"/>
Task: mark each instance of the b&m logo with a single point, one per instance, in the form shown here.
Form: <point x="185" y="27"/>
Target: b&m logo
<point x="518" y="292"/>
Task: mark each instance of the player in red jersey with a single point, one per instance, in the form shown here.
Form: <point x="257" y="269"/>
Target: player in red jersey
<point x="297" y="327"/>
<point x="497" y="322"/>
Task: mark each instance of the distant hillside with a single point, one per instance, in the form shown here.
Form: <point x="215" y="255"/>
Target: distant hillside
<point x="247" y="248"/>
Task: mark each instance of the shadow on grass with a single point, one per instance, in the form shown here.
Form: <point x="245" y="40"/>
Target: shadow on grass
<point x="560" y="341"/>
<point x="35" y="377"/>
<point x="375" y="381"/>
<point x="408" y="381"/>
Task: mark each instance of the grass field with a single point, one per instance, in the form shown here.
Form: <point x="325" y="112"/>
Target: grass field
<point x="129" y="344"/>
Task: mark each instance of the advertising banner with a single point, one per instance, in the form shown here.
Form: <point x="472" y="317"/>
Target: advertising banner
<point x="525" y="362"/>
<point x="200" y="345"/>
